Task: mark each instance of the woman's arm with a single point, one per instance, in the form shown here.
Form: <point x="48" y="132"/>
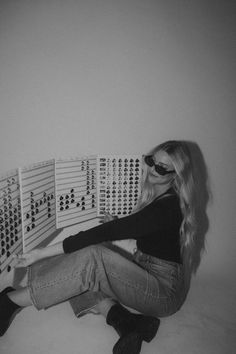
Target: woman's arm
<point x="152" y="219"/>
<point x="35" y="255"/>
<point x="56" y="249"/>
<point x="157" y="217"/>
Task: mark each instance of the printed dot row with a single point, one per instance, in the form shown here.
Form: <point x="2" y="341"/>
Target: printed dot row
<point x="10" y="227"/>
<point x="32" y="213"/>
<point x="9" y="219"/>
<point x="8" y="192"/>
<point x="115" y="212"/>
<point x="9" y="235"/>
<point x="8" y="267"/>
<point x="7" y="244"/>
<point x="33" y="225"/>
<point x="108" y="160"/>
<point x="9" y="208"/>
<point x="82" y="205"/>
<point x="42" y="200"/>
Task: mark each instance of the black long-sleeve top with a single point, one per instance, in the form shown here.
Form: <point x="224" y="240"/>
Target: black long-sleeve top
<point x="155" y="227"/>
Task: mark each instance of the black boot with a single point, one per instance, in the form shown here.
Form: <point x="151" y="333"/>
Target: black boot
<point x="8" y="310"/>
<point x="132" y="329"/>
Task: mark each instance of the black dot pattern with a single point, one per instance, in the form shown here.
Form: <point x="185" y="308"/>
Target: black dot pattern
<point x="37" y="207"/>
<point x="77" y="190"/>
<point x="37" y="200"/>
<point x="38" y="203"/>
<point x="119" y="184"/>
<point x="10" y="221"/>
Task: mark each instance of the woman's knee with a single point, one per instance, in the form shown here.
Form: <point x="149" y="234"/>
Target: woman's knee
<point x="95" y="249"/>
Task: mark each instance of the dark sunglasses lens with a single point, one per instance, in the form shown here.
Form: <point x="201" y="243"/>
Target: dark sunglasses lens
<point x="149" y="161"/>
<point x="160" y="170"/>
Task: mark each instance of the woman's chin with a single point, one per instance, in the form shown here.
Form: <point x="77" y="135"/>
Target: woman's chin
<point x="154" y="179"/>
<point x="157" y="180"/>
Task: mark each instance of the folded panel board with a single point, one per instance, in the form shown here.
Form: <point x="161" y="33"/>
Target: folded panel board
<point x="76" y="190"/>
<point x="10" y="221"/>
<point x="38" y="203"/>
<point x="119" y="180"/>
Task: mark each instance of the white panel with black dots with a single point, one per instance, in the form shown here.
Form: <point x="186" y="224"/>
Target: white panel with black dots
<point x="38" y="199"/>
<point x="38" y="203"/>
<point x="76" y="190"/>
<point x="10" y="221"/>
<point x="119" y="180"/>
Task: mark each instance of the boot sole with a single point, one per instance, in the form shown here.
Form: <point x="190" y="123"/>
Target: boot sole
<point x="5" y="325"/>
<point x="150" y="325"/>
<point x="129" y="344"/>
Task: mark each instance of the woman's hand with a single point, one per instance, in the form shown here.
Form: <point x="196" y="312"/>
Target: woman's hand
<point x="26" y="259"/>
<point x="107" y="217"/>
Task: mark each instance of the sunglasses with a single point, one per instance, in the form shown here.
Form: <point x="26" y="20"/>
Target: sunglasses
<point x="162" y="171"/>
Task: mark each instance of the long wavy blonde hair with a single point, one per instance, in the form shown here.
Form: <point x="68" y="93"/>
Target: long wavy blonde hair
<point x="183" y="184"/>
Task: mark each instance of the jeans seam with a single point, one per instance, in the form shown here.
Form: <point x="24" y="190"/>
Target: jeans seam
<point x="32" y="295"/>
<point x="48" y="284"/>
<point x="136" y="287"/>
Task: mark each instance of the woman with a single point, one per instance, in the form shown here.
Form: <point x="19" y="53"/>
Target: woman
<point x="163" y="225"/>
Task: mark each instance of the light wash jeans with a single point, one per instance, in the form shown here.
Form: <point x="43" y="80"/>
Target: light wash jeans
<point x="147" y="284"/>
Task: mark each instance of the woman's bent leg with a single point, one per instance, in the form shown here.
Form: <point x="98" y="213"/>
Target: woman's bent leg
<point x="94" y="268"/>
<point x="104" y="306"/>
<point x="8" y="310"/>
<point x="21" y="297"/>
<point x="86" y="303"/>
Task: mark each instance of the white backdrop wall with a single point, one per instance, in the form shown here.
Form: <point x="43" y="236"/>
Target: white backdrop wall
<point x="106" y="76"/>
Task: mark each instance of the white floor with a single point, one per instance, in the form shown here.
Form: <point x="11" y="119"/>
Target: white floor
<point x="205" y="325"/>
